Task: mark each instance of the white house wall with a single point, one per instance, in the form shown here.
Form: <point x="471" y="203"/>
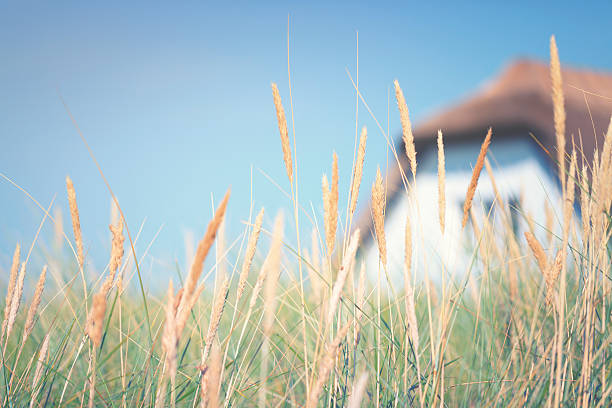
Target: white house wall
<point x="520" y="172"/>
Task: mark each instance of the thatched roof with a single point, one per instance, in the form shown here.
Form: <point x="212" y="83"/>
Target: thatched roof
<point x="516" y="103"/>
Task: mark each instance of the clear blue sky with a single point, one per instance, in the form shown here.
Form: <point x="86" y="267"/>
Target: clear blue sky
<point x="174" y="98"/>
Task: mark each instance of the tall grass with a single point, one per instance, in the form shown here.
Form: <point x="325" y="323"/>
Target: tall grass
<point x="529" y="325"/>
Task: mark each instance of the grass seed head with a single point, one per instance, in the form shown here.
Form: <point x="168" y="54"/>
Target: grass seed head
<point x="475" y="175"/>
<point x="284" y="133"/>
<point x="76" y="223"/>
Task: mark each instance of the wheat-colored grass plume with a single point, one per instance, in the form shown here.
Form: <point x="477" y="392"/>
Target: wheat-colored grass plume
<point x="378" y="213"/>
<point x="538" y="251"/>
<point x="330" y="206"/>
<point x="358" y="170"/>
<point x="215" y="318"/>
<point x="249" y="255"/>
<point x="16" y="300"/>
<point x="96" y="318"/>
<point x="31" y="318"/>
<point x="558" y="107"/>
<point x="116" y="255"/>
<point x="551" y="275"/>
<point x="94" y="329"/>
<point x="211" y="379"/>
<point x="441" y="181"/>
<point x="406" y="128"/>
<point x="284" y="133"/>
<point x="198" y="264"/>
<point x="169" y="344"/>
<point x="568" y="207"/>
<point x="475" y="175"/>
<point x="76" y="223"/>
<point x="411" y="320"/>
<point x="11" y="286"/>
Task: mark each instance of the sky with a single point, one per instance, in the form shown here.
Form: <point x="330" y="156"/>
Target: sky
<point x="174" y="100"/>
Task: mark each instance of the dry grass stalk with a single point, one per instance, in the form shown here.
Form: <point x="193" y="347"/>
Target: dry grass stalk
<point x="551" y="275"/>
<point x="211" y="379"/>
<point x="221" y="270"/>
<point x="76" y="223"/>
<point x="249" y="255"/>
<point x="31" y="319"/>
<point x="38" y="372"/>
<point x="95" y="324"/>
<point x="116" y="255"/>
<point x="441" y="181"/>
<point x="273" y="266"/>
<point x="406" y="127"/>
<point x="330" y="206"/>
<point x="258" y="284"/>
<point x="327" y="365"/>
<point x="584" y="203"/>
<point x="358" y="170"/>
<point x="326" y="208"/>
<point x="538" y="252"/>
<point x="360" y="301"/>
<point x="347" y="264"/>
<point x="605" y="175"/>
<point x="169" y="339"/>
<point x="11" y="286"/>
<point x="568" y="208"/>
<point x="558" y="107"/>
<point x="475" y="175"/>
<point x="177" y="300"/>
<point x="606" y="151"/>
<point x="378" y="212"/>
<point x="411" y="320"/>
<point x="16" y="300"/>
<point x="284" y="133"/>
<point x="198" y="264"/>
<point x="169" y="346"/>
<point x="408" y="251"/>
<point x="215" y="319"/>
<point x="498" y="197"/>
<point x="359" y="388"/>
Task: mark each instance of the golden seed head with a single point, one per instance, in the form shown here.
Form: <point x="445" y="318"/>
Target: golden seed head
<point x="358" y="170"/>
<point x="76" y="223"/>
<point x="475" y="175"/>
<point x="406" y="127"/>
<point x="284" y="133"/>
<point x="95" y="322"/>
<point x="378" y="212"/>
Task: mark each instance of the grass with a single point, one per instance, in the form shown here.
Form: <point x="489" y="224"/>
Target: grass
<point x="527" y="326"/>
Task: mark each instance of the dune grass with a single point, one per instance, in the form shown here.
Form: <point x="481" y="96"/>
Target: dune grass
<point x="300" y="325"/>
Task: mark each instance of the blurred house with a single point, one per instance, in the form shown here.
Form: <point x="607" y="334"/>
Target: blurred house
<point x="518" y="106"/>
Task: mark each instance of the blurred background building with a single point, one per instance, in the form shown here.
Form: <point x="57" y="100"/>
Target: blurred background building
<point x="517" y="104"/>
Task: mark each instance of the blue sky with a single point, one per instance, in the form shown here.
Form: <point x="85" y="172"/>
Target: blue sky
<point x="174" y="98"/>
